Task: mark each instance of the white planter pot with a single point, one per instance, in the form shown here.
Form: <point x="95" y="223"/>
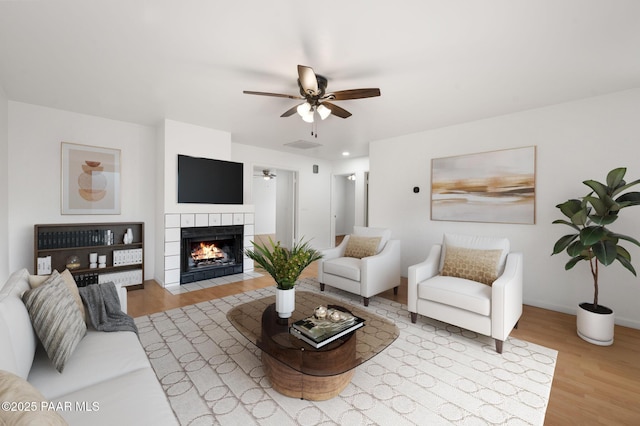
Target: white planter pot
<point x="596" y="328"/>
<point x="285" y="302"/>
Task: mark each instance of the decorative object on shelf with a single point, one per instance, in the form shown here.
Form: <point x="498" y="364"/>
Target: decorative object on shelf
<point x="90" y="179"/>
<point x="102" y="261"/>
<point x="128" y="237"/>
<point x="43" y="266"/>
<point x="73" y="262"/>
<point x="464" y="189"/>
<point x="93" y="260"/>
<point x="285" y="266"/>
<point x="593" y="242"/>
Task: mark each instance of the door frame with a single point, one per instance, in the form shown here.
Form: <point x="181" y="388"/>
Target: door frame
<point x="294" y="201"/>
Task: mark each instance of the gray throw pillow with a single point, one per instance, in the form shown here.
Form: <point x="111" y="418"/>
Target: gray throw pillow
<point x="56" y="319"/>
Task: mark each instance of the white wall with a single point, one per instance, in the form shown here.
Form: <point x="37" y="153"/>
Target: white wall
<point x="4" y="185"/>
<point x="34" y="138"/>
<point x="575" y="141"/>
<point x="195" y="141"/>
<point x="313" y="189"/>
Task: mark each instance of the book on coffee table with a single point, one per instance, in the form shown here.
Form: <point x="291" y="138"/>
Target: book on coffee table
<point x="321" y="331"/>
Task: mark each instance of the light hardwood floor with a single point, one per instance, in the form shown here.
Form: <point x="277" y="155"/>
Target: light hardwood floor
<point x="593" y="385"/>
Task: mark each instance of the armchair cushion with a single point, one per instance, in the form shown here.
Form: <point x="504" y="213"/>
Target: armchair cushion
<point x="471" y="264"/>
<point x="460" y="293"/>
<point x="360" y="247"/>
<point x="346" y="267"/>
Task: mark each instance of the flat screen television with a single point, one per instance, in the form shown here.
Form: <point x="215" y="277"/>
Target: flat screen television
<point x="209" y="181"/>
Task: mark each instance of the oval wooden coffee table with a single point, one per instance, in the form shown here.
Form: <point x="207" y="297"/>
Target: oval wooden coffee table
<point x="297" y="369"/>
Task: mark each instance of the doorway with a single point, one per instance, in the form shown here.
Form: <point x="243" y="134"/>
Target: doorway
<point x="349" y="203"/>
<point x="275" y="201"/>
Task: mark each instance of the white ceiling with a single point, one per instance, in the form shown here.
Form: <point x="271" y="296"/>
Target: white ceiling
<point x="437" y="63"/>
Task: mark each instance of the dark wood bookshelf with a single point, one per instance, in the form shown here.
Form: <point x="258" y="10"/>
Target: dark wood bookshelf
<point x="61" y="241"/>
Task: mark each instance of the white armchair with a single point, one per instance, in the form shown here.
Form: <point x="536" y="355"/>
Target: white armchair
<point x="366" y="262"/>
<point x="445" y="286"/>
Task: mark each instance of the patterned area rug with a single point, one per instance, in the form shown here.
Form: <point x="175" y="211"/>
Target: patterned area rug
<point x="433" y="374"/>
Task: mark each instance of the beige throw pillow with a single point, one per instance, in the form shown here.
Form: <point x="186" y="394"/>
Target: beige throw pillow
<point x="31" y="408"/>
<point x="38" y="280"/>
<point x="476" y="265"/>
<point x="55" y="318"/>
<point x="360" y="247"/>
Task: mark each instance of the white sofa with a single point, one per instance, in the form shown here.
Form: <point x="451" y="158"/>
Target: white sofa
<point x="492" y="308"/>
<point x="366" y="276"/>
<point x="108" y="379"/>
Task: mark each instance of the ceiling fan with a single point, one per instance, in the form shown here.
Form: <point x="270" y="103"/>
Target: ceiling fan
<point x="266" y="174"/>
<point x="313" y="90"/>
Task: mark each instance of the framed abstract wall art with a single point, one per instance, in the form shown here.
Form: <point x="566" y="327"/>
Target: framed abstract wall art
<point x="496" y="186"/>
<point x="90" y="179"/>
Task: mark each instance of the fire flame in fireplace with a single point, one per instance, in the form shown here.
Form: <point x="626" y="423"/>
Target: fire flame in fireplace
<point x="206" y="251"/>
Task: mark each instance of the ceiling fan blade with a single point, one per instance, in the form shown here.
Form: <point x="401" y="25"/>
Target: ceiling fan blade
<point x="277" y="95"/>
<point x="343" y="95"/>
<point x="308" y="79"/>
<point x="336" y="110"/>
<point x="290" y="111"/>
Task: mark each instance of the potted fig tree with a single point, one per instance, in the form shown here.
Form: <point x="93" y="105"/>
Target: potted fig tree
<point x="593" y="242"/>
<point x="285" y="266"/>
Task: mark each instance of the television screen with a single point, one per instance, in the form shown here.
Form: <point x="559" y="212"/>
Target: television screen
<point x="209" y="181"/>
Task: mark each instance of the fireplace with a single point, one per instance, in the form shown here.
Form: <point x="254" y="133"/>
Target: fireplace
<point x="210" y="252"/>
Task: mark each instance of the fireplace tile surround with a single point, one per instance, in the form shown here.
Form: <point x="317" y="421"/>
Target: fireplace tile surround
<point x="173" y="224"/>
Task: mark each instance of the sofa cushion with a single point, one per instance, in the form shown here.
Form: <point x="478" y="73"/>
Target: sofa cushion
<point x="360" y="247"/>
<point x="347" y="267"/>
<point x="17" y="337"/>
<point x="38" y="280"/>
<point x="365" y="231"/>
<point x="98" y="357"/>
<point x="55" y="318"/>
<point x="29" y="409"/>
<point x="477" y="243"/>
<point x="131" y="399"/>
<point x="459" y="292"/>
<point x="475" y="265"/>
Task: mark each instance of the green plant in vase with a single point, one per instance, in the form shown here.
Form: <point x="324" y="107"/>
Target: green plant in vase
<point x="283" y="264"/>
<point x="592" y="241"/>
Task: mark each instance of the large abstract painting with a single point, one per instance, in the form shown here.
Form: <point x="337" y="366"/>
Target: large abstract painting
<point x="90" y="179"/>
<point x="496" y="186"/>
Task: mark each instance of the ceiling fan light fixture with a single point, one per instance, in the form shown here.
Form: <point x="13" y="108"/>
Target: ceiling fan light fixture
<point x="303" y="109"/>
<point x="323" y="111"/>
<point x="313" y="90"/>
<point x="308" y="116"/>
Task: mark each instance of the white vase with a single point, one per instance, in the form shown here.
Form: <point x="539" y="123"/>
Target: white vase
<point x="285" y="302"/>
<point x="596" y="328"/>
